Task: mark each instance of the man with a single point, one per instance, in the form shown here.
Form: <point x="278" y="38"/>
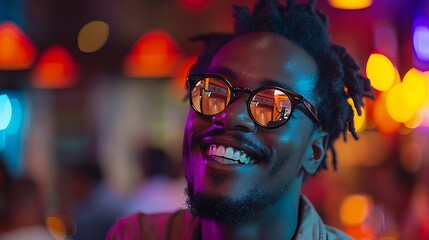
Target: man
<point x="267" y="102"/>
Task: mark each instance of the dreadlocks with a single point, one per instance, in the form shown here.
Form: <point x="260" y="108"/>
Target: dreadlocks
<point x="338" y="77"/>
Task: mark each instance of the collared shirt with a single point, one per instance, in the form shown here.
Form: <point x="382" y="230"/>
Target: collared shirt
<point x="181" y="225"/>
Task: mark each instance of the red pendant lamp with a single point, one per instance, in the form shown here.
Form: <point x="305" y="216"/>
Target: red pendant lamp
<point x="55" y="69"/>
<point x="17" y="52"/>
<point x="154" y="55"/>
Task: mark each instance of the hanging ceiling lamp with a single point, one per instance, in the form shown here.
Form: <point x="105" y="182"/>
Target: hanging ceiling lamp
<point x="55" y="69"/>
<point x="17" y="52"/>
<point x="154" y="55"/>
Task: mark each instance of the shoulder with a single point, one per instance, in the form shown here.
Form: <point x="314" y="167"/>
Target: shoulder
<point x="179" y="225"/>
<point x="311" y="226"/>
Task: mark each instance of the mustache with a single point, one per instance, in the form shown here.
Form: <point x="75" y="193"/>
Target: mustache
<point x="260" y="150"/>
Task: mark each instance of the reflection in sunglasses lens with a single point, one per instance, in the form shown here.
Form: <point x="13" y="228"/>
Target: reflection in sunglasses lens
<point x="269" y="107"/>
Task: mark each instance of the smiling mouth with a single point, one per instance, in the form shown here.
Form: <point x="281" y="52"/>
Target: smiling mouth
<point x="228" y="155"/>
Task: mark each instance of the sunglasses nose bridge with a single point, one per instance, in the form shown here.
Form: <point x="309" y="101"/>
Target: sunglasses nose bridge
<point x="241" y="89"/>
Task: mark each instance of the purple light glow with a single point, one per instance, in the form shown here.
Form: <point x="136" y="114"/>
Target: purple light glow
<point x="421" y="38"/>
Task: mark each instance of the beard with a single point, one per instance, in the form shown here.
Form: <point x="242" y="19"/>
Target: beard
<point x="224" y="209"/>
<point x="229" y="211"/>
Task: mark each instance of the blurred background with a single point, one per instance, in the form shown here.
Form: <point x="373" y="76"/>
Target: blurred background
<point x="92" y="114"/>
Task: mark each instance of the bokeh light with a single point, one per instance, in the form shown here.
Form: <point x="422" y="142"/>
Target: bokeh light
<point x="155" y="55"/>
<point x="360" y="121"/>
<point x="357" y="232"/>
<point x="404" y="130"/>
<point x="17" y="52"/>
<point x="195" y="5"/>
<point x="414" y="121"/>
<point x="425" y="109"/>
<point x="56" y="227"/>
<point x="354" y="209"/>
<point x="5" y="111"/>
<point x="17" y="117"/>
<point x="415" y="89"/>
<point x="56" y="69"/>
<point x="350" y="4"/>
<point x="421" y="38"/>
<point x="384" y="123"/>
<point x="381" y="71"/>
<point x="425" y="120"/>
<point x="178" y="84"/>
<point x="61" y="226"/>
<point x="396" y="106"/>
<point x="93" y="36"/>
<point x="2" y="140"/>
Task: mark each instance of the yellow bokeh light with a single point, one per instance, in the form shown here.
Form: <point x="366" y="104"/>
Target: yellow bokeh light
<point x="385" y="124"/>
<point x="381" y="72"/>
<point x="93" y="36"/>
<point x="415" y="121"/>
<point x="354" y="209"/>
<point x="360" y="121"/>
<point x="350" y="4"/>
<point x="415" y="89"/>
<point x="396" y="105"/>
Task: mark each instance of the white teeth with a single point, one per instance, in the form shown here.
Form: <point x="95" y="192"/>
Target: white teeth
<point x="243" y="158"/>
<point x="229" y="152"/>
<point x="236" y="156"/>
<point x="220" y="151"/>
<point x="211" y="151"/>
<point x="227" y="155"/>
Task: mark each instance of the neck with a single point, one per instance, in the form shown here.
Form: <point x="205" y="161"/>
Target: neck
<point x="278" y="221"/>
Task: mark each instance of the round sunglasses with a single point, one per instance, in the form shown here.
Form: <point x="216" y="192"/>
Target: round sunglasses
<point x="268" y="106"/>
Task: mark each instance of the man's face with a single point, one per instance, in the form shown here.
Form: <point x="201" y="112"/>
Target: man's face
<point x="276" y="155"/>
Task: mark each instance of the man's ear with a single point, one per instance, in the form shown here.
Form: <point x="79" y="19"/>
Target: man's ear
<point x="316" y="151"/>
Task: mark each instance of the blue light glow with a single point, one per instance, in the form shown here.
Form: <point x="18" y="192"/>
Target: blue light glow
<point x="17" y="117"/>
<point x="2" y="140"/>
<point x="5" y="111"/>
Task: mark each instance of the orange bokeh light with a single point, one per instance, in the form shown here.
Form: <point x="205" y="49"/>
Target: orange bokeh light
<point x="155" y="55"/>
<point x="178" y="85"/>
<point x="355" y="209"/>
<point x="55" y="69"/>
<point x="384" y="123"/>
<point x="17" y="52"/>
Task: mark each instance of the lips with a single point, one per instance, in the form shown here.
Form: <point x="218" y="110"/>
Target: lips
<point x="228" y="155"/>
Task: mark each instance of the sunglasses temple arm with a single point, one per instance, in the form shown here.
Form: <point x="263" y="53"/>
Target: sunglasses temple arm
<point x="312" y="110"/>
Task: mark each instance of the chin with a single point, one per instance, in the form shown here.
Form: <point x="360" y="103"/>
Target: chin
<point x="227" y="210"/>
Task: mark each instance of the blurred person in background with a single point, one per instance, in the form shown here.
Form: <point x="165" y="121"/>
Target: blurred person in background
<point x="160" y="178"/>
<point x="25" y="212"/>
<point x="267" y="103"/>
<point x="86" y="199"/>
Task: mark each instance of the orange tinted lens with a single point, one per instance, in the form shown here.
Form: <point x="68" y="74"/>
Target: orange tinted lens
<point x="210" y="96"/>
<point x="270" y="107"/>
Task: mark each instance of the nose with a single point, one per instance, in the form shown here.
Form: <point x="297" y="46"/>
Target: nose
<point x="235" y="117"/>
